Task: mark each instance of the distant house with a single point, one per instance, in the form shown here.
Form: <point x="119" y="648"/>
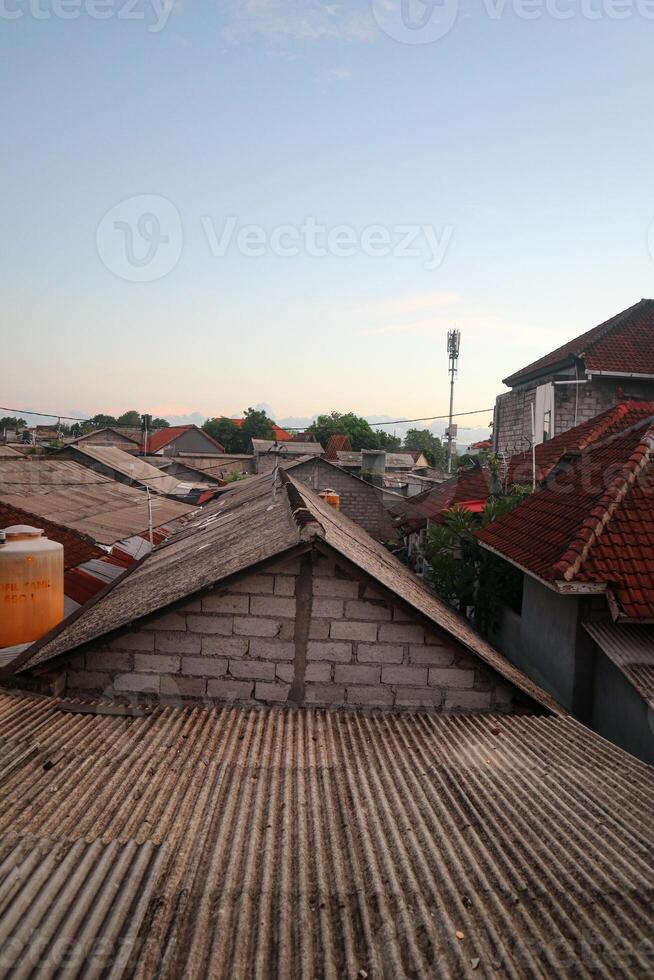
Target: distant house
<point x="279" y="434"/>
<point x="337" y="444"/>
<point x="268" y="452"/>
<point x="120" y="438"/>
<point x="583" y="626"/>
<point x="178" y="439"/>
<point x="578" y="380"/>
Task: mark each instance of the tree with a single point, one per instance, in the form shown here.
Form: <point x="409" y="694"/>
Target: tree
<point x="424" y="441"/>
<point x="335" y="424"/>
<point x="388" y="442"/>
<point x="98" y="422"/>
<point x="160" y="423"/>
<point x="225" y="432"/>
<point x="131" y="418"/>
<point x="12" y="422"/>
<point x="256" y="425"/>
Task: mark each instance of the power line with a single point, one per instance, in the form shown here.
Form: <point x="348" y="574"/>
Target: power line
<point x="433" y="418"/>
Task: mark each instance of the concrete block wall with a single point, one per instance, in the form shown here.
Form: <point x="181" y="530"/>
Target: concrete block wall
<point x="360" y="501"/>
<point x="237" y="644"/>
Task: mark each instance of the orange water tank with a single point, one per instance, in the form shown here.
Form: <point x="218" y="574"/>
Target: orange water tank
<point x="332" y="498"/>
<point x="31" y="584"/>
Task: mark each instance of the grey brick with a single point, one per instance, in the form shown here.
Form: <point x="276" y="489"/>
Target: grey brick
<point x="318" y="629"/>
<point x="88" y="680"/>
<point x="433" y="656"/>
<point x="327" y="608"/>
<point x="366" y="610"/>
<point x="227" y="604"/>
<point x="271" y="692"/>
<point x="419" y="696"/>
<point x="133" y="641"/>
<point x="145" y="683"/>
<point x="254" y="668"/>
<point x="287" y="631"/>
<point x="224" y="646"/>
<point x="335" y="652"/>
<point x="285" y="585"/>
<point x="156" y="663"/>
<point x="109" y="660"/>
<point x="272" y="606"/>
<point x="451" y="677"/>
<point x="337" y="588"/>
<point x="353" y="631"/>
<point x="172" y="642"/>
<point x="189" y="605"/>
<point x="467" y="701"/>
<point x="401" y="633"/>
<point x="324" y="694"/>
<point x="253" y="626"/>
<point x="289" y="567"/>
<point x="404" y="675"/>
<point x="204" y="666"/>
<point x="167" y="621"/>
<point x="356" y="674"/>
<point x="183" y="687"/>
<point x="230" y="690"/>
<point x="255" y="585"/>
<point x="318" y="672"/>
<point x="206" y="623"/>
<point x="379" y="653"/>
<point x="272" y="650"/>
<point x="377" y="695"/>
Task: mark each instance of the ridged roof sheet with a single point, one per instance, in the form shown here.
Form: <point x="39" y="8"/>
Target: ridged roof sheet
<point x="276" y="843"/>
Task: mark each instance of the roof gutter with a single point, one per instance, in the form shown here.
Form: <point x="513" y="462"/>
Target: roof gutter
<point x="619" y="374"/>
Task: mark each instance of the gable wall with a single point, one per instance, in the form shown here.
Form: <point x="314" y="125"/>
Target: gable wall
<point x="191" y="441"/>
<point x="237" y="644"/>
<point x="360" y="501"/>
<point x="512" y="424"/>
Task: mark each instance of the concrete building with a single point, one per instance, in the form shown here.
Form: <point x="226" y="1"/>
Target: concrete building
<point x="578" y="380"/>
<point x="584" y="547"/>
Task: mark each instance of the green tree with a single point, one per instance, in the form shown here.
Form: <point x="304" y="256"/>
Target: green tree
<point x="388" y="442"/>
<point x="225" y="432"/>
<point x="256" y="425"/>
<point x="160" y="423"/>
<point x="463" y="573"/>
<point x="356" y="428"/>
<point x="424" y="441"/>
<point x="98" y="422"/>
<point x="131" y="418"/>
<point x="12" y="422"/>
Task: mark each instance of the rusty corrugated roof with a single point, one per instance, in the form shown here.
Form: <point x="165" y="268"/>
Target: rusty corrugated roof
<point x="314" y="843"/>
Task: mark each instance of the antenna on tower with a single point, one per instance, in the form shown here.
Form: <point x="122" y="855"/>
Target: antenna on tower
<point x="453" y="347"/>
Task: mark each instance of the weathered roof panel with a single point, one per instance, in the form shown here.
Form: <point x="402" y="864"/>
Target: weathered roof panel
<point x="317" y="843"/>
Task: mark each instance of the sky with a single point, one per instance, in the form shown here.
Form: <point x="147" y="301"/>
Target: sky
<point x="207" y="206"/>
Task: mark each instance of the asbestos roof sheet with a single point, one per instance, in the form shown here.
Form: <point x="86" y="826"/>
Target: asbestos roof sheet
<point x="233" y="843"/>
<point x="10" y="453"/>
<point x="631" y="648"/>
<point x="67" y="493"/>
<point x="134" y="468"/>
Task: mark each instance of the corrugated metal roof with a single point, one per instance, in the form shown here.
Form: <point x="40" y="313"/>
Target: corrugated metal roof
<point x="313" y="843"/>
<point x="73" y="495"/>
<point x="134" y="468"/>
<point x="73" y="908"/>
<point x="631" y="648"/>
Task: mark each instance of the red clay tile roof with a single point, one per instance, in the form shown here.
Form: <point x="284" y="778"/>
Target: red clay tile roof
<point x="592" y="522"/>
<point x="281" y="435"/>
<point x="78" y="547"/>
<point x="337" y="444"/>
<point x="622" y="345"/>
<point x="163" y="437"/>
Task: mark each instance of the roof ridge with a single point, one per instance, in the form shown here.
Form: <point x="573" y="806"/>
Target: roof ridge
<point x="601" y="330"/>
<point x="303" y="516"/>
<point x="603" y="511"/>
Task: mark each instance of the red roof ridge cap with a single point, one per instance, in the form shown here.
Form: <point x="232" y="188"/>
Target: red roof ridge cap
<point x="603" y="511"/>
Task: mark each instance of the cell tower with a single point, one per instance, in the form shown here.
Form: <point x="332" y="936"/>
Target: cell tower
<point x="453" y="346"/>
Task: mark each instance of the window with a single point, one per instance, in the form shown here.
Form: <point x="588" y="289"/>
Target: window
<point x="544" y="413"/>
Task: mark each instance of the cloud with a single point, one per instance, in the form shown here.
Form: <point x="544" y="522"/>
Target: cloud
<point x="298" y="20"/>
<point x="341" y="73"/>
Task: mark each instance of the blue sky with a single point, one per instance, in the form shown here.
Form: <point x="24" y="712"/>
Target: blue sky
<point x="524" y="145"/>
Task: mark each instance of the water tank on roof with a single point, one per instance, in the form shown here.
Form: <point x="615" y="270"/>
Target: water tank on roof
<point x="331" y="497"/>
<point x="31" y="584"/>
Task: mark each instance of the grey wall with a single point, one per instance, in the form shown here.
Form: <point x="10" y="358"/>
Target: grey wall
<point x="360" y="501"/>
<point x="619" y="712"/>
<point x="191" y="442"/>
